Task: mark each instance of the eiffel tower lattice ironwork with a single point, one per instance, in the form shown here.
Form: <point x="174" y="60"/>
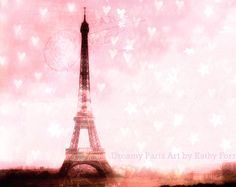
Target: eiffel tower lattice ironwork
<point x="94" y="155"/>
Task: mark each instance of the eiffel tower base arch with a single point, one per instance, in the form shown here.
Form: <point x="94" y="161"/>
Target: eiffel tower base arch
<point x="94" y="159"/>
<point x="103" y="168"/>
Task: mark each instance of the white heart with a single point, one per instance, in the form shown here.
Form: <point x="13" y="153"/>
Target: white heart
<point x="136" y="21"/>
<point x="18" y="83"/>
<point x="101" y="86"/>
<point x="35" y="40"/>
<point x="49" y="90"/>
<point x="21" y="55"/>
<point x="38" y="75"/>
<point x="17" y="29"/>
<point x="179" y="3"/>
<point x="127" y="56"/>
<point x="113" y="53"/>
<point x="114" y="40"/>
<point x="151" y="31"/>
<point x="158" y="4"/>
<point x="43" y="11"/>
<point x="2" y="60"/>
<point x="106" y="9"/>
<point x="120" y="12"/>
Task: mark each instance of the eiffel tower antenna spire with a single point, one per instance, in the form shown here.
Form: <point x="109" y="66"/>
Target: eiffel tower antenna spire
<point x="84" y="13"/>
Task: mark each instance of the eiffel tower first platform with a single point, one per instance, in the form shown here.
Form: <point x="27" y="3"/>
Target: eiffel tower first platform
<point x="94" y="156"/>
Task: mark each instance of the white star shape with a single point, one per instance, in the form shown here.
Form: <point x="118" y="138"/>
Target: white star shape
<point x="178" y="120"/>
<point x="5" y="109"/>
<point x="55" y="130"/>
<point x="148" y="164"/>
<point x="189" y="51"/>
<point x="216" y="120"/>
<point x="194" y="138"/>
<point x="158" y="125"/>
<point x="208" y="11"/>
<point x="121" y="23"/>
<point x="180" y="93"/>
<point x="203" y="69"/>
<point x="141" y="146"/>
<point x="172" y="76"/>
<point x="166" y="87"/>
<point x="131" y="108"/>
<point x="175" y="150"/>
<point x="234" y="79"/>
<point x="225" y="144"/>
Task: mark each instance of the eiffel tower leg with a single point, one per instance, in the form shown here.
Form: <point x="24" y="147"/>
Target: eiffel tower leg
<point x="106" y="168"/>
<point x="75" y="138"/>
<point x="66" y="166"/>
<point x="93" y="137"/>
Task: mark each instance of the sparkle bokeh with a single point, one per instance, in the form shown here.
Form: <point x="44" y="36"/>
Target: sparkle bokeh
<point x="163" y="79"/>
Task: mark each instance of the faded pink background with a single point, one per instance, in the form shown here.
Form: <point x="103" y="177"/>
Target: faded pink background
<point x="163" y="79"/>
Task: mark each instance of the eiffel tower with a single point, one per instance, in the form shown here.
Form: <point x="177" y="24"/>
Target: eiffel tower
<point x="94" y="155"/>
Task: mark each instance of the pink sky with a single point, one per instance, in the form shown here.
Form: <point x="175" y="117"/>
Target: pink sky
<point x="163" y="80"/>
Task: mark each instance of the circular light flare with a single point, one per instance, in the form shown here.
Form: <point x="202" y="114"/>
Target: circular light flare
<point x="62" y="50"/>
